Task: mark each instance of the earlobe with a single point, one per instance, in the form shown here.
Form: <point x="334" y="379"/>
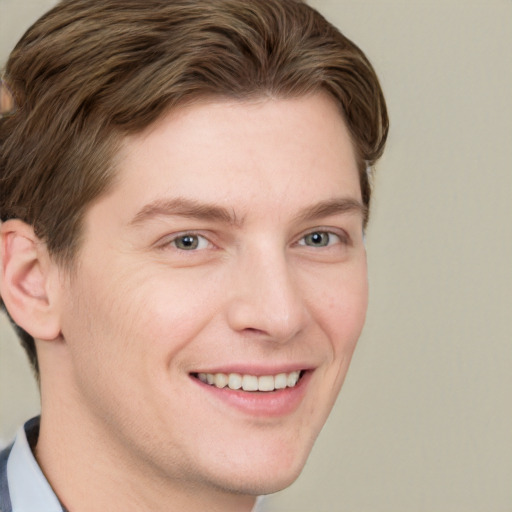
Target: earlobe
<point x="27" y="277"/>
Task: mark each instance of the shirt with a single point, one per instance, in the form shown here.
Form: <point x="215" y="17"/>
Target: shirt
<point x="27" y="489"/>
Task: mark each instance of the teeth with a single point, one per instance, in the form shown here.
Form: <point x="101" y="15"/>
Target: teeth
<point x="266" y="383"/>
<point x="251" y="382"/>
<point x="280" y="381"/>
<point x="221" y="380"/>
<point x="292" y="379"/>
<point x="234" y="381"/>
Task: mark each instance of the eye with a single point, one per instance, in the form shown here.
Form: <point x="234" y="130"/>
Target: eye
<point x="189" y="242"/>
<point x="319" y="239"/>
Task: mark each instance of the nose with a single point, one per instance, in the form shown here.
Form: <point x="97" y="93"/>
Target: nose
<point x="265" y="298"/>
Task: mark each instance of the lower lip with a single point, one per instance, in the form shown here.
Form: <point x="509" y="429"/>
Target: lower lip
<point x="260" y="403"/>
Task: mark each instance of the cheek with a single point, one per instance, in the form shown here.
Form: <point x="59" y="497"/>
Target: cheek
<point x="123" y="332"/>
<point x="341" y="311"/>
<point x="95" y="325"/>
<point x="141" y="318"/>
<point x="173" y="306"/>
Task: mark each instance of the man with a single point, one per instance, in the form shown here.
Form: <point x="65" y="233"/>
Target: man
<point x="184" y="191"/>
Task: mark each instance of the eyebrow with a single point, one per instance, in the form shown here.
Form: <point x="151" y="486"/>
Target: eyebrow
<point x="183" y="207"/>
<point x="334" y="206"/>
<point x="190" y="208"/>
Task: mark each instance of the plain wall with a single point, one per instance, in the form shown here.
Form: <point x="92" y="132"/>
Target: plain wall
<point x="424" y="421"/>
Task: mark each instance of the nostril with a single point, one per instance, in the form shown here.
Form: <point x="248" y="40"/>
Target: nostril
<point x="253" y="330"/>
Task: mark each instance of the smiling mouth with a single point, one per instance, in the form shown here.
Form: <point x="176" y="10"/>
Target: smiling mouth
<point x="239" y="382"/>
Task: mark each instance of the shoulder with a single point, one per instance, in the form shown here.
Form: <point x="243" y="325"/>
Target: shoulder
<point x="5" y="502"/>
<point x="28" y="434"/>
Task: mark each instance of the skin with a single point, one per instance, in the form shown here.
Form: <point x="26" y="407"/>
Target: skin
<point x="125" y="425"/>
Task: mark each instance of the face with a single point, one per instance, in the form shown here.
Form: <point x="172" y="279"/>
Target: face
<point x="220" y="291"/>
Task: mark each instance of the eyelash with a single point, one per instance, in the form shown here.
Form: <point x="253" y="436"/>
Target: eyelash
<point x="203" y="243"/>
<point x="333" y="238"/>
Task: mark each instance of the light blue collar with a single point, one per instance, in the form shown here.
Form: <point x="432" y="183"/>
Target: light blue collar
<point x="28" y="488"/>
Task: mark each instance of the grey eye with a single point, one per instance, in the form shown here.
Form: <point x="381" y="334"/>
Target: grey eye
<point x="187" y="242"/>
<point x="317" y="239"/>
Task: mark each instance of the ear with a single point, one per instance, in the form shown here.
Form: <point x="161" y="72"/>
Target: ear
<point x="29" y="281"/>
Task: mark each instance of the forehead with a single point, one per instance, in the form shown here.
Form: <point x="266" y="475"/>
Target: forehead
<point x="241" y="154"/>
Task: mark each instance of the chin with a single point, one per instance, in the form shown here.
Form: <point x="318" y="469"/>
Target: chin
<point x="280" y="482"/>
<point x="261" y="474"/>
<point x="263" y="483"/>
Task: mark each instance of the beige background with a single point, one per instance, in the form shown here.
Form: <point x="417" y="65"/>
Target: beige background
<point x="424" y="422"/>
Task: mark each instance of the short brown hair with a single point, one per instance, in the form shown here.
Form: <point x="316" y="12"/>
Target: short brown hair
<point x="88" y="73"/>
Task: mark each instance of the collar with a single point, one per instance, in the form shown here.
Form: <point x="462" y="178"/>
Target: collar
<point x="28" y="488"/>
